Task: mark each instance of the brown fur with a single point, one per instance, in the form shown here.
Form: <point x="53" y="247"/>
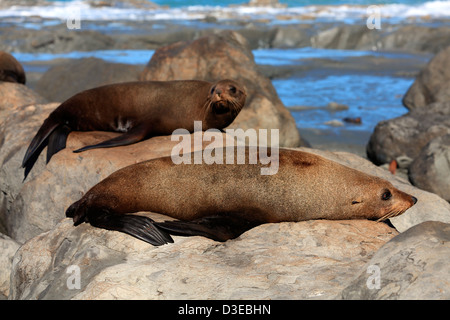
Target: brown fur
<point x="140" y="110"/>
<point x="10" y="69"/>
<point x="305" y="187"/>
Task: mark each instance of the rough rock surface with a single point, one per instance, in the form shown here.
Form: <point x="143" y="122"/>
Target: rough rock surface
<point x="432" y="84"/>
<point x="409" y="134"/>
<point x="307" y="260"/>
<point x="8" y="248"/>
<point x="430" y="170"/>
<point x="413" y="265"/>
<point x="14" y="95"/>
<point x="221" y="56"/>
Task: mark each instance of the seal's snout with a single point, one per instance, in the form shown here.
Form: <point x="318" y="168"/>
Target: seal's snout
<point x="414" y="199"/>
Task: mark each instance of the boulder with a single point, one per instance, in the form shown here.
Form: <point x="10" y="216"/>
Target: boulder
<point x="409" y="134"/>
<point x="8" y="248"/>
<point x="413" y="265"/>
<point x="432" y="84"/>
<point x="430" y="170"/>
<point x="64" y="80"/>
<point x="227" y="55"/>
<point x="306" y="260"/>
<point x="13" y="95"/>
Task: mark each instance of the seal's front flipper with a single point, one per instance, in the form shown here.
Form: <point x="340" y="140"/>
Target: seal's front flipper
<point x="218" y="228"/>
<point x="139" y="227"/>
<point x="135" y="134"/>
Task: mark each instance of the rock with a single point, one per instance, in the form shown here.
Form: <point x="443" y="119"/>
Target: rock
<point x="334" y="123"/>
<point x="227" y="55"/>
<point x="413" y="37"/>
<point x="13" y="95"/>
<point x="10" y="69"/>
<point x="413" y="265"/>
<point x="8" y="248"/>
<point x="306" y="260"/>
<point x="334" y="106"/>
<point x="432" y="84"/>
<point x="409" y="134"/>
<point x="430" y="170"/>
<point x="345" y="37"/>
<point x="63" y="81"/>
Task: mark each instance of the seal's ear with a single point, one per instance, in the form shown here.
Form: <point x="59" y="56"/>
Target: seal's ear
<point x="356" y="201"/>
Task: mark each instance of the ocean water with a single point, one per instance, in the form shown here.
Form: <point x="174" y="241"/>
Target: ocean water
<point x="294" y="12"/>
<point x="371" y="96"/>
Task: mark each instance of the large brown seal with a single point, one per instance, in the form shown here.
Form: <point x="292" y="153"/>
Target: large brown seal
<point x="140" y="110"/>
<point x="221" y="201"/>
<point x="10" y="69"/>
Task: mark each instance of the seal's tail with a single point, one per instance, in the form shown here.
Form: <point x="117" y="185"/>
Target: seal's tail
<point x="51" y="133"/>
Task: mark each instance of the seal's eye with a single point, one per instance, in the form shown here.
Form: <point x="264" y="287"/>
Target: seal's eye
<point x="213" y="89"/>
<point x="233" y="89"/>
<point x="386" y="195"/>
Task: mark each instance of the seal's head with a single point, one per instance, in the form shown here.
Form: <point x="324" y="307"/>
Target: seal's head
<point x="380" y="200"/>
<point x="225" y="100"/>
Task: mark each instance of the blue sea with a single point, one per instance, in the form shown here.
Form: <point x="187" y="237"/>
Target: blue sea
<point x="372" y="96"/>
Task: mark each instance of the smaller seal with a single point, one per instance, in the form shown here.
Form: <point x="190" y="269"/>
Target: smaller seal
<point x="139" y="110"/>
<point x="221" y="201"/>
<point x="10" y="69"/>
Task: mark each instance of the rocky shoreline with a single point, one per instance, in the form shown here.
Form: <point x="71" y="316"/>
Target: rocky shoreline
<point x="314" y="259"/>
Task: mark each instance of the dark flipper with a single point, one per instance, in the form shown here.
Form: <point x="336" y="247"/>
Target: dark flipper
<point x="135" y="134"/>
<point x="139" y="227"/>
<point x="38" y="143"/>
<point x="57" y="140"/>
<point x="218" y="228"/>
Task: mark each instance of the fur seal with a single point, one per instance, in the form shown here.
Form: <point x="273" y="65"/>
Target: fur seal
<point x="10" y="69"/>
<point x="140" y="110"/>
<point x="221" y="201"/>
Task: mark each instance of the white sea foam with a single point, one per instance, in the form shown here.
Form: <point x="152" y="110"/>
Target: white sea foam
<point x="63" y="10"/>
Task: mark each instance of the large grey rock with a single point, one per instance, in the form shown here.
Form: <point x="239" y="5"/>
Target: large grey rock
<point x="306" y="260"/>
<point x="409" y="134"/>
<point x="413" y="265"/>
<point x="432" y="84"/>
<point x="431" y="168"/>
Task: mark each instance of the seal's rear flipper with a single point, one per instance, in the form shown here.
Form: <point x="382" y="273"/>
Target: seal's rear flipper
<point x="218" y="228"/>
<point x="135" y="134"/>
<point x="38" y="143"/>
<point x="57" y="140"/>
<point x="139" y="227"/>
